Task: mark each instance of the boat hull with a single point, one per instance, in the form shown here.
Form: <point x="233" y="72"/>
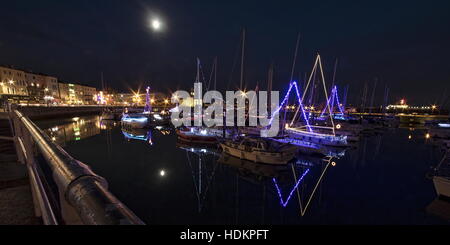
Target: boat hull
<point x="336" y="141"/>
<point x="192" y="138"/>
<point x="442" y="186"/>
<point x="261" y="157"/>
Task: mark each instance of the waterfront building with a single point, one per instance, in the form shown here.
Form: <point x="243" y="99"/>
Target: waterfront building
<point x="13" y="86"/>
<point x="76" y="94"/>
<point x="42" y="88"/>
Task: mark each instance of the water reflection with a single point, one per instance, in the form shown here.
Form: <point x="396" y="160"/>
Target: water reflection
<point x="189" y="183"/>
<point x="203" y="164"/>
<point x="146" y="135"/>
<point x="75" y="129"/>
<point x="297" y="181"/>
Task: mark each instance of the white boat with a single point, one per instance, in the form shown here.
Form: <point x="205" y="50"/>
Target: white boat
<point x="303" y="134"/>
<point x="260" y="150"/>
<point x="441" y="176"/>
<point x="309" y="148"/>
<point x="442" y="185"/>
<point x="201" y="134"/>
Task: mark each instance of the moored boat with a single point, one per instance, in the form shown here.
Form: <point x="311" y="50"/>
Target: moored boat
<point x="316" y="137"/>
<point x="259" y="150"/>
<point x="196" y="135"/>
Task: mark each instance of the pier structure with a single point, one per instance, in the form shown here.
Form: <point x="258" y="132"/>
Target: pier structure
<point x="40" y="183"/>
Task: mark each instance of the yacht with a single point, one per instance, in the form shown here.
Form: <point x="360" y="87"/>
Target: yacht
<point x="259" y="150"/>
<point x="201" y="134"/>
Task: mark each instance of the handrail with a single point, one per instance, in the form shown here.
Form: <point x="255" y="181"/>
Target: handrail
<point x="86" y="192"/>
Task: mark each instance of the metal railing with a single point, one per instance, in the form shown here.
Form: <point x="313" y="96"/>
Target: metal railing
<point x="65" y="190"/>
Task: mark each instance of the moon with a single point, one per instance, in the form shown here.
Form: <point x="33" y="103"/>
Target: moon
<point x="156" y="24"/>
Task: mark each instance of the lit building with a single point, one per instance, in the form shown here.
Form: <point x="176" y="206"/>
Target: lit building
<point x="31" y="87"/>
<point x="12" y="82"/>
<point x="42" y="87"/>
<point x="75" y="94"/>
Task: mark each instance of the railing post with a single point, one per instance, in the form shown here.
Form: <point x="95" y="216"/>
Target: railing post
<point x="22" y="142"/>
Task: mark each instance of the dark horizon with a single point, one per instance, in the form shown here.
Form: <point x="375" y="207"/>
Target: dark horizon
<point x="401" y="44"/>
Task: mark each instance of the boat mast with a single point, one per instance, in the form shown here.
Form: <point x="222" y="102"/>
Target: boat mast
<point x="326" y="93"/>
<point x="344" y="102"/>
<point x="334" y="73"/>
<point x="215" y="73"/>
<point x="148" y="104"/>
<point x="386" y="96"/>
<point x="295" y="57"/>
<point x="269" y="89"/>
<point x="292" y="72"/>
<point x="373" y="96"/>
<point x="242" y="59"/>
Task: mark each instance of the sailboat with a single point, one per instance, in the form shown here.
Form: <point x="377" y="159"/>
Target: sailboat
<point x="441" y="176"/>
<point x="200" y="134"/>
<point x="144" y="119"/>
<point x="259" y="150"/>
<point x="345" y="124"/>
<point x="325" y="135"/>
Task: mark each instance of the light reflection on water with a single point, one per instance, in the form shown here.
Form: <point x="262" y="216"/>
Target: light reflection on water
<point x="380" y="180"/>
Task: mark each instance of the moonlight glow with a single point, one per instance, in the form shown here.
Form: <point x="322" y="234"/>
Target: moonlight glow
<point x="156" y="24"/>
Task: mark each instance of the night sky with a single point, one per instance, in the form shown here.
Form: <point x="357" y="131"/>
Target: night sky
<point x="405" y="44"/>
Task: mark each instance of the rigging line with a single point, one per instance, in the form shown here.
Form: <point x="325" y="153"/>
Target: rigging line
<point x="193" y="175"/>
<point x="242" y="58"/>
<point x="203" y="75"/>
<point x="209" y="182"/>
<point x="326" y="93"/>
<point x="210" y="76"/>
<point x="315" y="188"/>
<point x="306" y="89"/>
<point x="235" y="60"/>
<point x="298" y="192"/>
<point x="295" y="57"/>
<point x="334" y="73"/>
<point x="215" y="73"/>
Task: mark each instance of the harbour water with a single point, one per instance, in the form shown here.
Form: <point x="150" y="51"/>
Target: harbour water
<point x="381" y="180"/>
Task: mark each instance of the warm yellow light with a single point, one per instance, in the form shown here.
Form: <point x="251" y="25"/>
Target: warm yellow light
<point x="433" y="107"/>
<point x="11" y="82"/>
<point x="402" y="102"/>
<point x="427" y="136"/>
<point x="409" y="137"/>
<point x="166" y="101"/>
<point x="333" y="164"/>
<point x="338" y="126"/>
<point x="152" y="101"/>
<point x="46" y="89"/>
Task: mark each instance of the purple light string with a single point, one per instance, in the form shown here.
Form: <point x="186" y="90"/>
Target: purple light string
<point x="148" y="106"/>
<point x="284" y="204"/>
<point x="334" y="94"/>
<point x="282" y="103"/>
<point x="301" y="107"/>
<point x="292" y="84"/>
<point x="339" y="104"/>
<point x="328" y="103"/>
